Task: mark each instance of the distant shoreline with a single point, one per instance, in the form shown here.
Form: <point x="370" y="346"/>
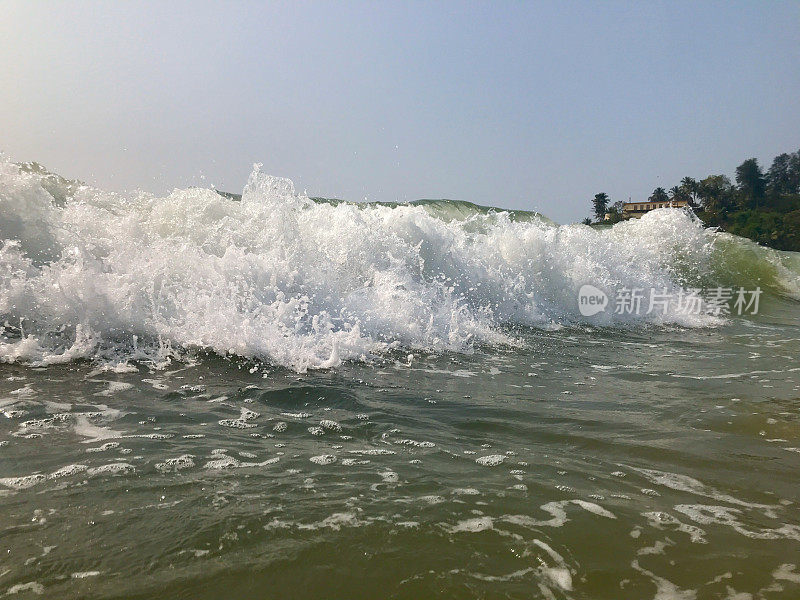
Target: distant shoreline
<point x="761" y="206"/>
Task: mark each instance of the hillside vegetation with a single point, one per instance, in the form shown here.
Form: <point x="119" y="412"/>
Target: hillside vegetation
<point x="762" y="206"/>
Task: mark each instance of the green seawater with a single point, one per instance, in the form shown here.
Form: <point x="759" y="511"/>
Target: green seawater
<point x="596" y="463"/>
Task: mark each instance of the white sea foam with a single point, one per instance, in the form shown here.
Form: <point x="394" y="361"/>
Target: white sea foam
<point x="491" y="461"/>
<point x="104" y="447"/>
<point x="684" y="483"/>
<point x="114" y="387"/>
<point x="221" y="461"/>
<point x="663" y="520"/>
<point x="561" y="577"/>
<point x="32" y="586"/>
<point x="335" y="522"/>
<point x="786" y="572"/>
<point x="243" y="422"/>
<point x="119" y="468"/>
<point x="27" y="481"/>
<point x="725" y="515"/>
<point x="67" y="471"/>
<point x="84" y="574"/>
<point x="23" y="482"/>
<point x="473" y="525"/>
<point x="389" y="477"/>
<point x="178" y="463"/>
<point x="351" y="462"/>
<point x="423" y="444"/>
<point x="307" y="284"/>
<point x="372" y="452"/>
<point x="95" y="433"/>
<point x="558" y="513"/>
<point x="665" y="589"/>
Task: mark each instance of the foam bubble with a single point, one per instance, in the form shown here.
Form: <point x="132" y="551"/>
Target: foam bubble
<point x="32" y="586"/>
<point x="724" y="515"/>
<point x="243" y="422"/>
<point x="491" y="461"/>
<point x="473" y="525"/>
<point x="335" y="522"/>
<point x="84" y="574"/>
<point x="415" y="443"/>
<point x="104" y="448"/>
<point x="389" y="477"/>
<point x="119" y="468"/>
<point x="67" y="471"/>
<point x="662" y="520"/>
<point x="558" y="512"/>
<point x="23" y="482"/>
<point x="185" y="461"/>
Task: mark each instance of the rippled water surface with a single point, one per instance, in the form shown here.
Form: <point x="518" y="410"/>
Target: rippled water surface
<point x="656" y="463"/>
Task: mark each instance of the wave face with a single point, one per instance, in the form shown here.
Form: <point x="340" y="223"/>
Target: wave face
<point x="278" y="277"/>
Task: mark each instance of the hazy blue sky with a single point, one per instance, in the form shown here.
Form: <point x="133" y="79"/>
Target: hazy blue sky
<point x="526" y="105"/>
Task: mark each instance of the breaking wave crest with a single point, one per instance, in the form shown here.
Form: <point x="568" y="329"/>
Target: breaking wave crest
<point x="281" y="278"/>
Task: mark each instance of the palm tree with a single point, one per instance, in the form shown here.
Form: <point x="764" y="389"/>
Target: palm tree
<point x="600" y="202"/>
<point x="691" y="188"/>
<point x="659" y="195"/>
<point x="677" y="194"/>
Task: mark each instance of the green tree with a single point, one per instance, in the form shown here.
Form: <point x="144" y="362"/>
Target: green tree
<point x="600" y="203"/>
<point x="659" y="195"/>
<point x="587" y="221"/>
<point x="615" y="212"/>
<point x="779" y="175"/>
<point x="794" y="173"/>
<point x="677" y="194"/>
<point x="716" y="193"/>
<point x="751" y="183"/>
<point x="691" y="189"/>
<point x="762" y="207"/>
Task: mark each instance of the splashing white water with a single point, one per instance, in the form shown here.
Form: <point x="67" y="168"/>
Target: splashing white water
<point x="303" y="284"/>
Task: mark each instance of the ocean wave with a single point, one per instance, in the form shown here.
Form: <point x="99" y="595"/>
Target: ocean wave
<point x="279" y="277"/>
